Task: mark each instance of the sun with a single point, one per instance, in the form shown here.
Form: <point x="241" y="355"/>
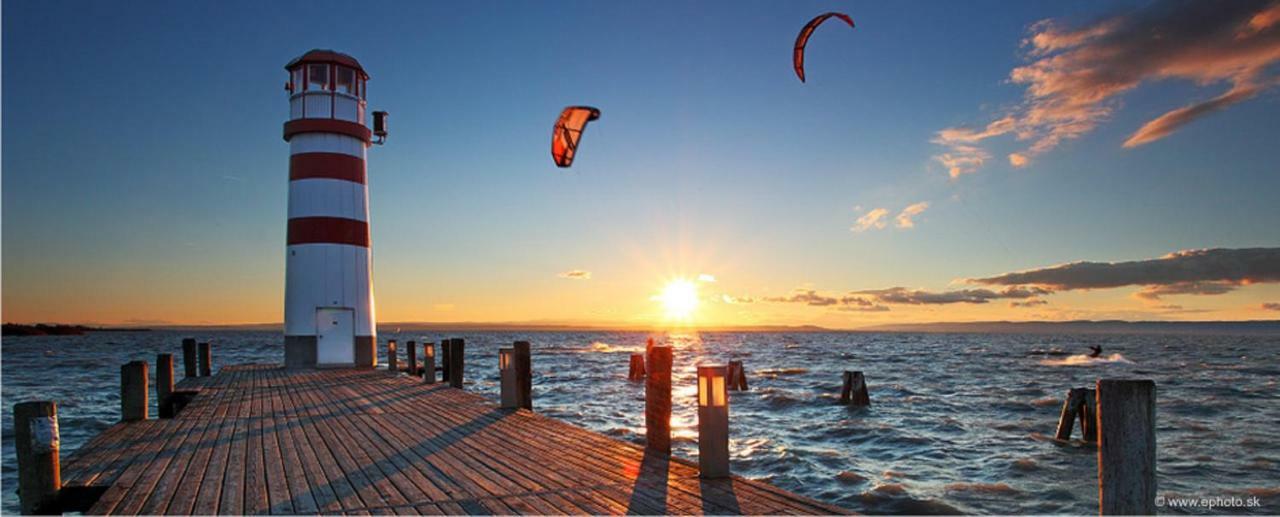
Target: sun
<point x="679" y="299"/>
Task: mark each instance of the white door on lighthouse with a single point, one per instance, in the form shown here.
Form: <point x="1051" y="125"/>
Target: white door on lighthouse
<point x="335" y="337"/>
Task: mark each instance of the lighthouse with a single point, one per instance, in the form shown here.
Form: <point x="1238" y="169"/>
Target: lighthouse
<point x="328" y="299"/>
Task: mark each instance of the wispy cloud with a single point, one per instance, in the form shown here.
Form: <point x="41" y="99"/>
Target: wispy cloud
<point x="1029" y="303"/>
<point x="1271" y="306"/>
<point x="705" y="278"/>
<point x="872" y="219"/>
<point x="576" y="274"/>
<point x="904" y="219"/>
<point x="1075" y="75"/>
<point x="812" y="298"/>
<point x="904" y="296"/>
<point x="1203" y="272"/>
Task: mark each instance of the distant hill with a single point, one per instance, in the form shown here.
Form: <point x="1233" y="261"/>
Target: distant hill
<point x="41" y="329"/>
<point x="1255" y="327"/>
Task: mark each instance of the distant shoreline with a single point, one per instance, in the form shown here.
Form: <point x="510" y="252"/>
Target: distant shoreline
<point x="1248" y="327"/>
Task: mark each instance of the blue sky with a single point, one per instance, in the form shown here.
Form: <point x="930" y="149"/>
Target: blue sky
<point x="142" y="155"/>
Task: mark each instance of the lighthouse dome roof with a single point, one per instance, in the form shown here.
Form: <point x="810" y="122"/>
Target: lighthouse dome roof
<point x="326" y="56"/>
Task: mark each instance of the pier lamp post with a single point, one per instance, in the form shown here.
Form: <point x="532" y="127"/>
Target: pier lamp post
<point x="507" y="373"/>
<point x="713" y="421"/>
<point x="429" y="363"/>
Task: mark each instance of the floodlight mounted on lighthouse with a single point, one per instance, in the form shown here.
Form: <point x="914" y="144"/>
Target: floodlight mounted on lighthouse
<point x="380" y="126"/>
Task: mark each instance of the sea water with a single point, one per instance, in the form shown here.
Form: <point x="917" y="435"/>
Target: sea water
<point x="958" y="422"/>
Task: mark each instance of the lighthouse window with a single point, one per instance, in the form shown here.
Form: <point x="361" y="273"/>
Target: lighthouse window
<point x="346" y="80"/>
<point x="318" y="77"/>
<point x="296" y="77"/>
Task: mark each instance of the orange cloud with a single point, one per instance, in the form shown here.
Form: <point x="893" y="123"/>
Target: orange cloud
<point x="576" y="274"/>
<point x="1075" y="75"/>
<point x="873" y="219"/>
<point x="904" y="219"/>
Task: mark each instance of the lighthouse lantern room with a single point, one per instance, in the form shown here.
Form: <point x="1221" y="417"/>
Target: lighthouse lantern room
<point x="328" y="302"/>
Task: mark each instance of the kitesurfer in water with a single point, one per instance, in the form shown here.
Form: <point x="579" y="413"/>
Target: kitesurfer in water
<point x="1097" y="350"/>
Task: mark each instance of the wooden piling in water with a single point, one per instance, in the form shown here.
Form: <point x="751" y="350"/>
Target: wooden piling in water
<point x="428" y="363"/>
<point x="36" y="442"/>
<point x="411" y="351"/>
<point x="1126" y="447"/>
<point x="523" y="358"/>
<point x="1071" y="410"/>
<point x="133" y="391"/>
<point x="636" y="372"/>
<point x="206" y="360"/>
<point x="457" y="354"/>
<point x="189" y="357"/>
<point x="445" y="347"/>
<point x="737" y="376"/>
<point x="164" y="384"/>
<point x="1089" y="416"/>
<point x="657" y="400"/>
<point x="393" y="364"/>
<point x="854" y="392"/>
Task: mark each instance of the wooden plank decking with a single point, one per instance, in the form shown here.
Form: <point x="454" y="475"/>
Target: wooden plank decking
<point x="261" y="439"/>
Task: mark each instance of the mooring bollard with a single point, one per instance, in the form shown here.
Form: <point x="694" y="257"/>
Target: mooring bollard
<point x="507" y="378"/>
<point x="657" y="400"/>
<point x="636" y="373"/>
<point x="523" y="358"/>
<point x="206" y="360"/>
<point x="457" y="354"/>
<point x="164" y="384"/>
<point x="428" y="363"/>
<point x="855" y="390"/>
<point x="35" y="436"/>
<point x="133" y="391"/>
<point x="393" y="365"/>
<point x="713" y="422"/>
<point x="412" y="351"/>
<point x="1126" y="447"/>
<point x="189" y="357"/>
<point x="737" y="376"/>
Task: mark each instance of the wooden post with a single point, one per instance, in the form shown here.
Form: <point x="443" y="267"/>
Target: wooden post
<point x="133" y="391"/>
<point x="412" y="351"/>
<point x="506" y="378"/>
<point x="457" y="352"/>
<point x="206" y="360"/>
<point x="524" y="374"/>
<point x="636" y="373"/>
<point x="657" y="401"/>
<point x="713" y="422"/>
<point x="164" y="384"/>
<point x="428" y="363"/>
<point x="737" y="376"/>
<point x="189" y="357"/>
<point x="446" y="345"/>
<point x="393" y="364"/>
<point x="855" y="390"/>
<point x="1089" y="416"/>
<point x="35" y="436"/>
<point x="1070" y="412"/>
<point x="1126" y="447"/>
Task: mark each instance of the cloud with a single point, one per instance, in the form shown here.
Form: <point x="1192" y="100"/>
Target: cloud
<point x="873" y="219"/>
<point x="733" y="300"/>
<point x="904" y="296"/>
<point x="706" y="278"/>
<point x="1029" y="303"/>
<point x="1074" y="75"/>
<point x="812" y="298"/>
<point x="576" y="274"/>
<point x="904" y="218"/>
<point x="1203" y="272"/>
<point x="1271" y="306"/>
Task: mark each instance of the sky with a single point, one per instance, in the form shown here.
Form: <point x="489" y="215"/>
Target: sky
<point x="1120" y="157"/>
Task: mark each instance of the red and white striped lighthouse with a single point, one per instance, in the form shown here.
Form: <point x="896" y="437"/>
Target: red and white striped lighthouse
<point x="328" y="301"/>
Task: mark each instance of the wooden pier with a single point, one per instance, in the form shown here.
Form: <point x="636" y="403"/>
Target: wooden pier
<point x="258" y="439"/>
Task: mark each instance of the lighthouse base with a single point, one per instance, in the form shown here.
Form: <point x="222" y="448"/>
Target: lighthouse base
<point x="300" y="352"/>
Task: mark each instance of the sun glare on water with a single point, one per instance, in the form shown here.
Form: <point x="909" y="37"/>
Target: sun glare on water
<point x="679" y="299"/>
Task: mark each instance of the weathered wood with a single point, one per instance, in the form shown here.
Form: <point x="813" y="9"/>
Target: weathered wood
<point x="636" y="372"/>
<point x="36" y="442"/>
<point x="206" y="360"/>
<point x="429" y="363"/>
<point x="713" y="421"/>
<point x="524" y="374"/>
<point x="133" y="391"/>
<point x="657" y="400"/>
<point x="1126" y="447"/>
<point x="411" y="356"/>
<point x="1071" y="410"/>
<point x="1089" y="416"/>
<point x="737" y="376"/>
<point x="393" y="363"/>
<point x="457" y="354"/>
<point x="855" y="390"/>
<point x="445" y="347"/>
<point x="189" y="357"/>
<point x="164" y="384"/>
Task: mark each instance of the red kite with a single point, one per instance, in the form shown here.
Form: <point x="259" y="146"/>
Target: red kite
<point x="568" y="133"/>
<point x="797" y="57"/>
